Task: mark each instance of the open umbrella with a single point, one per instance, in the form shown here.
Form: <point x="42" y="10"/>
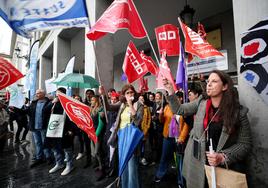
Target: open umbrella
<point x="76" y="80"/>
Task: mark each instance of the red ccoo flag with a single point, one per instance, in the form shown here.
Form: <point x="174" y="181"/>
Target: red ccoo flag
<point x="79" y="113"/>
<point x="121" y="14"/>
<point x="8" y="73"/>
<point x="164" y="72"/>
<point x="152" y="68"/>
<point x="195" y="45"/>
<point x="168" y="39"/>
<point x="133" y="66"/>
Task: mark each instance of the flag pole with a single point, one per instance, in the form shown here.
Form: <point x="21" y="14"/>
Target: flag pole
<point x="96" y="62"/>
<point x="147" y="35"/>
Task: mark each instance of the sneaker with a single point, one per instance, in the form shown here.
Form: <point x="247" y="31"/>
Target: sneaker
<point x="144" y="162"/>
<point x="67" y="170"/>
<point x="56" y="168"/>
<point x="156" y="179"/>
<point x="152" y="163"/>
<point x="65" y="159"/>
<point x="79" y="156"/>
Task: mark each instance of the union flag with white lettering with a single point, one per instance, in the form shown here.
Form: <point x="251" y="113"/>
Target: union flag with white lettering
<point x="79" y="113"/>
<point x="168" y="39"/>
<point x="134" y="67"/>
<point x="254" y="58"/>
<point x="8" y="73"/>
<point x="196" y="45"/>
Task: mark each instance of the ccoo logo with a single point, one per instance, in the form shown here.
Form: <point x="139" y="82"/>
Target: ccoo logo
<point x="79" y="113"/>
<point x="4" y="77"/>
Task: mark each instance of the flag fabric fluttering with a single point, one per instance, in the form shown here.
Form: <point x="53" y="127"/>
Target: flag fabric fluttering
<point x="254" y="58"/>
<point x="164" y="72"/>
<point x="121" y="14"/>
<point x="168" y="39"/>
<point x="25" y="17"/>
<point x="143" y="85"/>
<point x="8" y="73"/>
<point x="196" y="45"/>
<point x="79" y="113"/>
<point x="133" y="66"/>
<point x="201" y="31"/>
<point x="152" y="67"/>
<point x="30" y="80"/>
<point x="181" y="77"/>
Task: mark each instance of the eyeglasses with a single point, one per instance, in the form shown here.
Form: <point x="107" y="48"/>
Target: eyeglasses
<point x="129" y="92"/>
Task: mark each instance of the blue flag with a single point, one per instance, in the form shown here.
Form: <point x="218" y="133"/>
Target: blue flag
<point x="181" y="77"/>
<point x="26" y="16"/>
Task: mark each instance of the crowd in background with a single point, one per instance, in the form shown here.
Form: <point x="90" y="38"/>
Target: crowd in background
<point x="156" y="115"/>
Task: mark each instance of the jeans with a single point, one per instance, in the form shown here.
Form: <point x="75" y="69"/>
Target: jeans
<point x="39" y="138"/>
<point x="166" y="157"/>
<point x="130" y="176"/>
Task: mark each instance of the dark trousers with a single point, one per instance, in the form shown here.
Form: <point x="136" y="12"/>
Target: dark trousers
<point x="87" y="142"/>
<point x="22" y="125"/>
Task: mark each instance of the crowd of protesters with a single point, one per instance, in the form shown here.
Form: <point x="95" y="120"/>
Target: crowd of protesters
<point x="212" y="111"/>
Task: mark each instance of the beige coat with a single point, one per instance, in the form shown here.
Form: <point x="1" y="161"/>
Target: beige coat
<point x="236" y="146"/>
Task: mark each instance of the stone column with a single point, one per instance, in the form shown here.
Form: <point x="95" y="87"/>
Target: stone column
<point x="246" y="14"/>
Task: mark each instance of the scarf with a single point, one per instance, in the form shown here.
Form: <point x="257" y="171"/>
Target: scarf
<point x="209" y="114"/>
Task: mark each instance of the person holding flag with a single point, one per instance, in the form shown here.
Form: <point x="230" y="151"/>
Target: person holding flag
<point x="62" y="145"/>
<point x="220" y="117"/>
<point x="126" y="114"/>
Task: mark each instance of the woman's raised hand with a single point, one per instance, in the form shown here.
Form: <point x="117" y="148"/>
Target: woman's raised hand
<point x="101" y="90"/>
<point x="168" y="86"/>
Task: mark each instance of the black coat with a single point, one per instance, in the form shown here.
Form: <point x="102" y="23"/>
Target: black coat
<point x="46" y="114"/>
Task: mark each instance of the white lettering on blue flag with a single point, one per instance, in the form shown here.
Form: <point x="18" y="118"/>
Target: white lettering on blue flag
<point x="26" y="16"/>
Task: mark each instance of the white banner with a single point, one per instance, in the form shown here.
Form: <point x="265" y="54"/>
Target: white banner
<point x="55" y="126"/>
<point x="16" y="96"/>
<point x="207" y="65"/>
<point x="50" y="87"/>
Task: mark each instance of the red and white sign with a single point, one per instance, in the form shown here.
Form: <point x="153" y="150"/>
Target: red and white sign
<point x="168" y="39"/>
<point x="8" y="73"/>
<point x="79" y="113"/>
<point x="133" y="66"/>
<point x="151" y="66"/>
<point x="196" y="45"/>
<point x="164" y="72"/>
<point x="121" y="14"/>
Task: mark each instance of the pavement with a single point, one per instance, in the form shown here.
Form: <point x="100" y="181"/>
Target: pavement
<point x="16" y="173"/>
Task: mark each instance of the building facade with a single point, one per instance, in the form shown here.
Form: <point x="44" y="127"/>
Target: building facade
<point x="230" y="18"/>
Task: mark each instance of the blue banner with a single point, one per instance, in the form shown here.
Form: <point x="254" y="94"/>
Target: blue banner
<point x="31" y="76"/>
<point x="26" y="16"/>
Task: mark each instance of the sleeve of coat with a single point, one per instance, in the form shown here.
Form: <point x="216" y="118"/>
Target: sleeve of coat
<point x="243" y="146"/>
<point x="186" y="109"/>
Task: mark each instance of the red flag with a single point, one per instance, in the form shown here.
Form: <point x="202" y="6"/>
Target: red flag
<point x="195" y="45"/>
<point x="201" y="31"/>
<point x="8" y="73"/>
<point x="151" y="66"/>
<point x="79" y="113"/>
<point x="168" y="39"/>
<point x="133" y="66"/>
<point x="164" y="72"/>
<point x="143" y="85"/>
<point x="121" y="14"/>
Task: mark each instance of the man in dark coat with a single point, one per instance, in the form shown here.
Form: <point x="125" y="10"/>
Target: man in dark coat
<point x="39" y="114"/>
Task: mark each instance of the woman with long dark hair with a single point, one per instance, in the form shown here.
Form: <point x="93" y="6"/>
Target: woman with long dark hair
<point x="126" y="114"/>
<point x="219" y="117"/>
